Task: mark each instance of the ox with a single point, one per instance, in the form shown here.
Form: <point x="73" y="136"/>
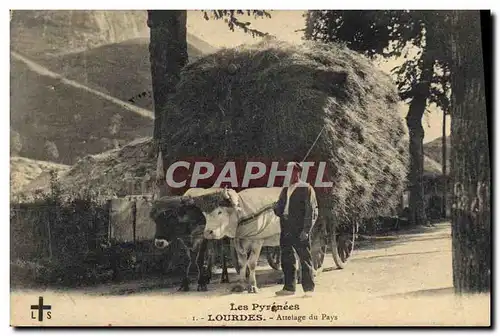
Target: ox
<point x="204" y="215"/>
<point x="249" y="219"/>
<point x="178" y="220"/>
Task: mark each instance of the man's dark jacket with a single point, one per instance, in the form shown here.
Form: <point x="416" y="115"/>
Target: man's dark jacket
<point x="302" y="210"/>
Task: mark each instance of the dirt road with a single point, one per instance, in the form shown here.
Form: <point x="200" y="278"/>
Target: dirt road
<point x="404" y="280"/>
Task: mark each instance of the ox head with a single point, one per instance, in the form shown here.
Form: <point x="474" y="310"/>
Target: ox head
<point x="176" y="218"/>
<point x="221" y="216"/>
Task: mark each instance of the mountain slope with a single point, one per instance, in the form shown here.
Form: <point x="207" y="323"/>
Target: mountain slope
<point x="434" y="150"/>
<point x="25" y="171"/>
<point x="43" y="33"/>
<point x="46" y="111"/>
<point x="121" y="69"/>
<point x="431" y="167"/>
<point x="78" y="122"/>
<point x="106" y="173"/>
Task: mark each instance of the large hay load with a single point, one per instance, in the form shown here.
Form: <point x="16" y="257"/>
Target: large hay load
<point x="271" y="100"/>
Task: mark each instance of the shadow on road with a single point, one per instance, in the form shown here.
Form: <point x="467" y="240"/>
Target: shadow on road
<point x="266" y="276"/>
<point x="438" y="231"/>
<point x="424" y="292"/>
<point x="399" y="255"/>
<point x="378" y="244"/>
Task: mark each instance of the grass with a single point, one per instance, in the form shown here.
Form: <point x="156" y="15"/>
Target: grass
<point x="78" y="122"/>
<point x="24" y="171"/>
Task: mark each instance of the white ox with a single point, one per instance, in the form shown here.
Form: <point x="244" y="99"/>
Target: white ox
<point x="248" y="218"/>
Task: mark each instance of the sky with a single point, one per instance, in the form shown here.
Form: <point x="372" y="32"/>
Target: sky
<point x="285" y="25"/>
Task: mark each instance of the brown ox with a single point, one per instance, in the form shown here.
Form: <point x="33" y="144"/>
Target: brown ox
<point x="177" y="220"/>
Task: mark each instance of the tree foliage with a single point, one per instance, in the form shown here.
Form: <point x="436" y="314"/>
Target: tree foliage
<point x="422" y="79"/>
<point x="115" y="124"/>
<point x="233" y="19"/>
<point x="16" y="143"/>
<point x="389" y="34"/>
<point x="51" y="150"/>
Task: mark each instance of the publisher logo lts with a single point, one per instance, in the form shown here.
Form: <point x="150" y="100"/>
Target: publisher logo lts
<point x="39" y="311"/>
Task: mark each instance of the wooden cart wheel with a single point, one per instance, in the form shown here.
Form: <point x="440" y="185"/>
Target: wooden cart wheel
<point x="319" y="246"/>
<point x="318" y="251"/>
<point x="273" y="254"/>
<point x="342" y="243"/>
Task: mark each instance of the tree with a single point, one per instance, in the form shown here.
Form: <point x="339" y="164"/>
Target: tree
<point x="231" y="17"/>
<point x="444" y="156"/>
<point x="168" y="52"/>
<point x="470" y="160"/>
<point x="421" y="80"/>
<point x="51" y="150"/>
<point x="115" y="124"/>
<point x="16" y="143"/>
<point x="168" y="55"/>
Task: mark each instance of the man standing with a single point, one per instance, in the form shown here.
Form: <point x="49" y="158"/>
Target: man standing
<point x="297" y="208"/>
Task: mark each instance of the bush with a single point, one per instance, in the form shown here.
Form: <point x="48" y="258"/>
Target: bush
<point x="59" y="240"/>
<point x="16" y="143"/>
<point x="51" y="150"/>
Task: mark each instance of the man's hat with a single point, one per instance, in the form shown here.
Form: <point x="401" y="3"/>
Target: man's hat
<point x="295" y="165"/>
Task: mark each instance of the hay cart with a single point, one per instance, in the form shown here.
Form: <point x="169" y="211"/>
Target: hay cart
<point x="326" y="237"/>
<point x="272" y="100"/>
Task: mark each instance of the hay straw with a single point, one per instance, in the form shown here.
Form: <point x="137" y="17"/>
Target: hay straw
<point x="275" y="104"/>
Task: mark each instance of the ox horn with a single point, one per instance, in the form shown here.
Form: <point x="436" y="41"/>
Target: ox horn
<point x="226" y="193"/>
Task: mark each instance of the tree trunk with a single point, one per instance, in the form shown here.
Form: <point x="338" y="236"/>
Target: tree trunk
<point x="309" y="29"/>
<point x="416" y="148"/>
<point x="470" y="162"/>
<point x="445" y="182"/>
<point x="168" y="55"/>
